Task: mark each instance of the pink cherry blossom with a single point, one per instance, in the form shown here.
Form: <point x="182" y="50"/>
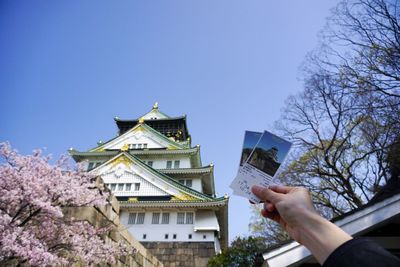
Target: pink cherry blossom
<point x="33" y="229"/>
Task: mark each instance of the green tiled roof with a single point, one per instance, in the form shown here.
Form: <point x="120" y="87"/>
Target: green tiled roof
<point x="182" y="145"/>
<point x="165" y="177"/>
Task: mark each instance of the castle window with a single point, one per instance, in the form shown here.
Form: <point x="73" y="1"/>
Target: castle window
<point x="144" y="145"/>
<point x="169" y="164"/>
<point x="166" y="236"/>
<point x="137" y="186"/>
<point x="165" y="218"/>
<point x="132" y="146"/>
<point x="204" y="237"/>
<point x="132" y="218"/>
<point x="140" y="218"/>
<point x="90" y="166"/>
<point x="139" y="146"/>
<point x="180" y="218"/>
<point x="144" y="236"/>
<point x="120" y="187"/>
<point x="174" y="236"/>
<point x="156" y="218"/>
<point x="150" y="163"/>
<point x="189" y="217"/>
<point x="113" y="187"/>
<point x="189" y="183"/>
<point x="176" y="164"/>
<point x="190" y="236"/>
<point x="182" y="181"/>
<point x="128" y="187"/>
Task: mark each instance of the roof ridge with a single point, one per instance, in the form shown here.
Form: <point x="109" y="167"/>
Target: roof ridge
<point x="132" y="120"/>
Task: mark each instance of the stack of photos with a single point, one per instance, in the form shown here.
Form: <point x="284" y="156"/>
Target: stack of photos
<point x="262" y="155"/>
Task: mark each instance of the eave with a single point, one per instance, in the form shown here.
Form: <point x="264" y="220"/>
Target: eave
<point x="79" y="155"/>
<point x="206" y="173"/>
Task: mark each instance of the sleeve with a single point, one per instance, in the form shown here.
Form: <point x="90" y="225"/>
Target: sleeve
<point x="361" y="252"/>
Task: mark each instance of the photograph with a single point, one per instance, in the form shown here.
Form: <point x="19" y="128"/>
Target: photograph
<point x="250" y="141"/>
<point x="269" y="153"/>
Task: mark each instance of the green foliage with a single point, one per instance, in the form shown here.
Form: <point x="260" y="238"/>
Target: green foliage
<point x="269" y="230"/>
<point x="242" y="252"/>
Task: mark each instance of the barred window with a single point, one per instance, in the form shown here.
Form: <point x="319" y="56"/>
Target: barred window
<point x="90" y="165"/>
<point x="156" y="218"/>
<point x="137" y="186"/>
<point x="189" y="183"/>
<point x="180" y="218"/>
<point x="182" y="181"/>
<point x="176" y="164"/>
<point x="189" y="218"/>
<point x="140" y="218"/>
<point x="120" y="187"/>
<point x="169" y="164"/>
<point x="128" y="187"/>
<point x="132" y="218"/>
<point x="150" y="163"/>
<point x="144" y="145"/>
<point x="113" y="186"/>
<point x="165" y="218"/>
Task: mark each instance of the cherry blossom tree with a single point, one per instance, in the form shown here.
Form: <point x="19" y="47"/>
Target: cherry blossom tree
<point x="33" y="228"/>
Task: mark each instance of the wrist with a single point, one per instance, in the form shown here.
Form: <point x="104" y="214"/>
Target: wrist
<point x="320" y="236"/>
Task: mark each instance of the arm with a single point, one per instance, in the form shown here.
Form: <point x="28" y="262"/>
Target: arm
<point x="293" y="209"/>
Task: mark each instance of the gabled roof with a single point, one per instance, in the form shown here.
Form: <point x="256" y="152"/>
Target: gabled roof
<point x="173" y="144"/>
<point x="170" y="181"/>
<point x="354" y="223"/>
<point x="154" y="114"/>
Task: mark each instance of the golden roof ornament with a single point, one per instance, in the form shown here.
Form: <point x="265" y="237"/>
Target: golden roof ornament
<point x="125" y="147"/>
<point x="155" y="106"/>
<point x="141" y="120"/>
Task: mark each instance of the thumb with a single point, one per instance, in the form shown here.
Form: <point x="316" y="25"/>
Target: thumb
<point x="265" y="194"/>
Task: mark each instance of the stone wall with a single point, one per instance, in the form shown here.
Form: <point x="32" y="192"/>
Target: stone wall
<point x="103" y="216"/>
<point x="182" y="254"/>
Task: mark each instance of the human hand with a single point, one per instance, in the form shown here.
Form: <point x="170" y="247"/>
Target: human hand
<point x="292" y="208"/>
<point x="289" y="206"/>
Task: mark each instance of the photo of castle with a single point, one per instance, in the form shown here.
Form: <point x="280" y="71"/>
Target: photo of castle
<point x="269" y="153"/>
<point x="250" y="141"/>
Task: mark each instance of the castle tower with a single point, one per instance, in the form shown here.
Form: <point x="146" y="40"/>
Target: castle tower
<point x="167" y="197"/>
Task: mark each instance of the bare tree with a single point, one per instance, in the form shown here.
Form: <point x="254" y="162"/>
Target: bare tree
<point x="348" y="115"/>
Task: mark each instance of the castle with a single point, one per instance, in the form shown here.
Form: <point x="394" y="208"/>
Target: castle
<point x="167" y="197"/>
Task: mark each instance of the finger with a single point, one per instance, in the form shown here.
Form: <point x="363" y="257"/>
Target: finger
<point x="269" y="207"/>
<point x="271" y="215"/>
<point x="280" y="188"/>
<point x="265" y="194"/>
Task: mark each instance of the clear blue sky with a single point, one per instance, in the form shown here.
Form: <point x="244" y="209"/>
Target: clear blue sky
<point x="68" y="67"/>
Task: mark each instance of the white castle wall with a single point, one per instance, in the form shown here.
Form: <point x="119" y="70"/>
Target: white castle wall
<point x="157" y="232"/>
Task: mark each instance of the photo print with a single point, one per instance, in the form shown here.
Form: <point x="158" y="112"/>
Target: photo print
<point x="269" y="153"/>
<point x="250" y="141"/>
<point x="262" y="155"/>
